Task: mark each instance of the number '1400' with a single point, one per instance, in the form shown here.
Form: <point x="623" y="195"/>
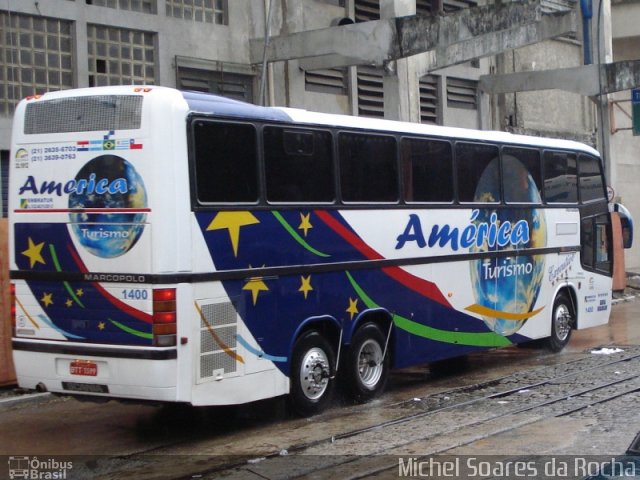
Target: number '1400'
<point x="135" y="294"/>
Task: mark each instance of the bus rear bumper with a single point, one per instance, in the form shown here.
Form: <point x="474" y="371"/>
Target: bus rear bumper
<point x="124" y="373"/>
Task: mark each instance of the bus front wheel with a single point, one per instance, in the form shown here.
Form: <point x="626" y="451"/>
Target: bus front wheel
<point x="562" y="322"/>
<point x="312" y="369"/>
<point x="366" y="366"/>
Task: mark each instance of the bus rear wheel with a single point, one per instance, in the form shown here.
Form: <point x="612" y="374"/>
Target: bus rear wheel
<point x="312" y="368"/>
<point x="366" y="369"/>
<point x="562" y="322"/>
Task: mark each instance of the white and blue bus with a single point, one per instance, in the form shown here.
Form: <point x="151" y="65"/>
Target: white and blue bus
<point x="183" y="247"/>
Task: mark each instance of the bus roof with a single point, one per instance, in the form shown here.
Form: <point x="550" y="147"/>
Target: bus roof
<point x="218" y="105"/>
<point x="209" y="103"/>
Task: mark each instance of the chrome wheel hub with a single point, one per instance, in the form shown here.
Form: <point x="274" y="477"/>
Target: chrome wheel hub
<point x="314" y="373"/>
<point x="370" y="363"/>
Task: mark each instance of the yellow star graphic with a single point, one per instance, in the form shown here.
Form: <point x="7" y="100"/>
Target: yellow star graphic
<point x="69" y="303"/>
<point x="232" y="221"/>
<point x="255" y="285"/>
<point x="79" y="292"/>
<point x="353" y="307"/>
<point x="305" y="223"/>
<point x="34" y="252"/>
<point x="305" y="286"/>
<point x="47" y="299"/>
<point x="101" y="326"/>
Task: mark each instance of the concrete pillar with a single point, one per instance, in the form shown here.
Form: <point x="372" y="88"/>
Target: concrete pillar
<point x="603" y="53"/>
<point x="7" y="372"/>
<point x="400" y="82"/>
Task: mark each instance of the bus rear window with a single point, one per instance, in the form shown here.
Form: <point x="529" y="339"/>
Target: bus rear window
<point x="226" y="168"/>
<point x="84" y="114"/>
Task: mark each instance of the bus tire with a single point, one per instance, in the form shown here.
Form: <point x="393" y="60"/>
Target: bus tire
<point x="312" y="369"/>
<point x="365" y="370"/>
<point x="562" y="322"/>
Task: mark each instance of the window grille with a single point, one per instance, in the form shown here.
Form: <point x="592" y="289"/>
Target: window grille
<point x="207" y="11"/>
<point x="35" y="57"/>
<point x="144" y="6"/>
<point x="366" y="10"/>
<point x="330" y="80"/>
<point x="232" y="85"/>
<point x="118" y="56"/>
<point x="370" y="92"/>
<point x="462" y="93"/>
<point x="429" y="99"/>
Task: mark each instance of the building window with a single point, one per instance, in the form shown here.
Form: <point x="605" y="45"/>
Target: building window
<point x="424" y="7"/>
<point x="430" y="7"/>
<point x="462" y="93"/>
<point x="35" y="56"/>
<point x="119" y="56"/>
<point x="144" y="6"/>
<point x="207" y="11"/>
<point x="370" y="92"/>
<point x="366" y="10"/>
<point x="429" y="99"/>
<point x="232" y="85"/>
<point x="330" y="80"/>
<point x="455" y="5"/>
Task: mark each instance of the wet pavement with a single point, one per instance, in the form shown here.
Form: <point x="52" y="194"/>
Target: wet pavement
<point x="515" y="402"/>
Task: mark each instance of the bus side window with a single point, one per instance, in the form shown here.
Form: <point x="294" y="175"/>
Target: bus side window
<point x="560" y="177"/>
<point x="478" y="172"/>
<point x="591" y="184"/>
<point x="595" y="240"/>
<point x="298" y="165"/>
<point x="427" y="170"/>
<point x="368" y="167"/>
<point x="522" y="176"/>
<point x="587" y="240"/>
<point x="226" y="167"/>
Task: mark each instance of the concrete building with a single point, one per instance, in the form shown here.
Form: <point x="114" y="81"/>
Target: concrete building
<point x="624" y="145"/>
<point x="321" y="57"/>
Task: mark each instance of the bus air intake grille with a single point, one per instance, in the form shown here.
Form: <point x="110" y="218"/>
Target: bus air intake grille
<point x="218" y="340"/>
<point x="83" y="114"/>
<point x="217" y="314"/>
<point x="214" y="363"/>
<point x="225" y="336"/>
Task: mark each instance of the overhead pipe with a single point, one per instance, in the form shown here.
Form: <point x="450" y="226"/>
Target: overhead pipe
<point x="586" y="7"/>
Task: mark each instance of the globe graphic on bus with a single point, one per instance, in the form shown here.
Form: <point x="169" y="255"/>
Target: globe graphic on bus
<point x="507" y="282"/>
<point x="108" y="182"/>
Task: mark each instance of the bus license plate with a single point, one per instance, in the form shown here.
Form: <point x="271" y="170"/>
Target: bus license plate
<point x="83" y="367"/>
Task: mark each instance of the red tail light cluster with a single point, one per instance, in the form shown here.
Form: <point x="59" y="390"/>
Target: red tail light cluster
<point x="164" y="317"/>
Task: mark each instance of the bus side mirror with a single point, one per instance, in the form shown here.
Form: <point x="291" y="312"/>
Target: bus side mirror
<point x="626" y="221"/>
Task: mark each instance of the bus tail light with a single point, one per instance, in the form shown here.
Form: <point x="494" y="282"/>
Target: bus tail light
<point x="12" y="293"/>
<point x="164" y="317"/>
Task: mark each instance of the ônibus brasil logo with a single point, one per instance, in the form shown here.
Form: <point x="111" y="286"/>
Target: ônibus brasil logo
<point x="38" y="468"/>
